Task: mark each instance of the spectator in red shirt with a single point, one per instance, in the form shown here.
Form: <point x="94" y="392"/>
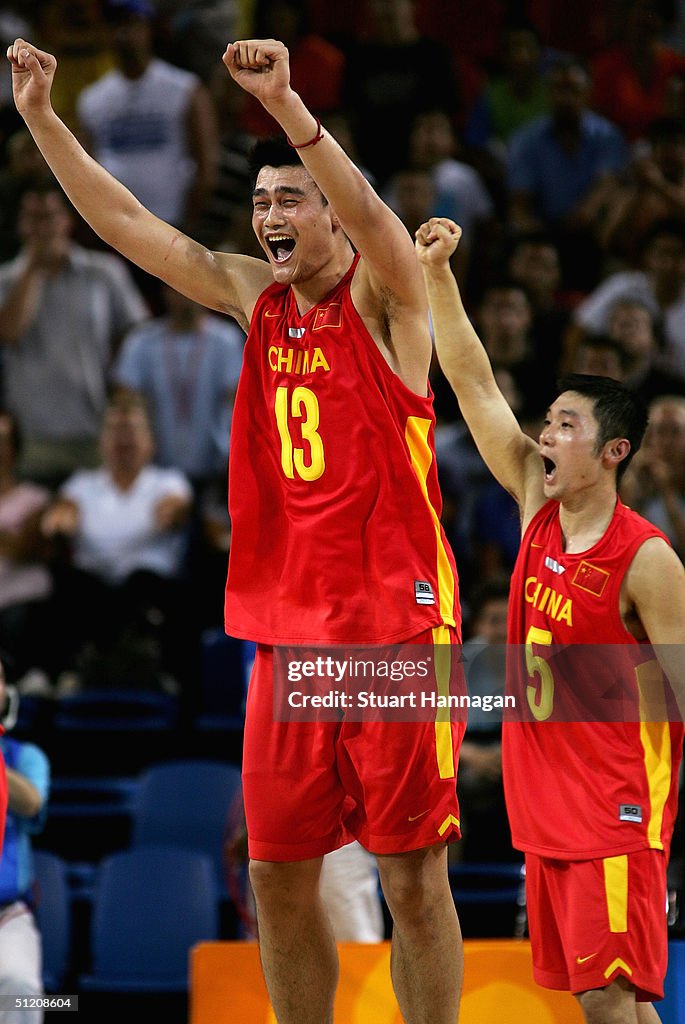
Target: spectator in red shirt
<point x="316" y="65"/>
<point x="631" y="78"/>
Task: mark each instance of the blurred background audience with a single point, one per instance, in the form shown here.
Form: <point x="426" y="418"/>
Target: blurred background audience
<point x="63" y="309"/>
<point x="121" y="555"/>
<point x="553" y="133"/>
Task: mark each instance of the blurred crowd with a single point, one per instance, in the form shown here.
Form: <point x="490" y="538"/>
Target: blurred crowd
<point x="553" y="133"/>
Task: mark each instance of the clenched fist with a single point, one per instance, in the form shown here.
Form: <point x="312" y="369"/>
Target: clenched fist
<point x="32" y="73"/>
<point x="436" y="240"/>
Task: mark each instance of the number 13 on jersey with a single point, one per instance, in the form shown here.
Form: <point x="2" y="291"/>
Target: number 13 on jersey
<point x="301" y="405"/>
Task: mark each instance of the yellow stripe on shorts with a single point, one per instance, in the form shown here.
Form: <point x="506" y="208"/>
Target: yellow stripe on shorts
<point x="442" y="653"/>
<point x="616" y="888"/>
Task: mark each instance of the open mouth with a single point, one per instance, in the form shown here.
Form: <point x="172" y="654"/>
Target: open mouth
<point x="280" y="247"/>
<point x="549" y="467"/>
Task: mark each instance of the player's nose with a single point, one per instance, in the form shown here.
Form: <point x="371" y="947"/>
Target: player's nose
<point x="546" y="436"/>
<point x="274" y="216"/>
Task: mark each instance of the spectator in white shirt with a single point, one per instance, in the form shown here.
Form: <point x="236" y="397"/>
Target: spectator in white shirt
<point x="124" y="528"/>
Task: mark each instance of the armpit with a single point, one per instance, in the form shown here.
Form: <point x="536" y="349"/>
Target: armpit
<point x="631" y="621"/>
<point x="389" y="305"/>
<point x="238" y="315"/>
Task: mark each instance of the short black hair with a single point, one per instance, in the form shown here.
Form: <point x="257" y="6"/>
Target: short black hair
<point x="598" y="340"/>
<point x="274" y="151"/>
<point x="619" y="411"/>
<point x="46" y="186"/>
<point x="506" y="284"/>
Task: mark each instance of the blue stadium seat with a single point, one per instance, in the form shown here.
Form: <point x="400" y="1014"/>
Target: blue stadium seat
<point x="672" y="1009"/>
<point x="112" y="731"/>
<point x="490" y="898"/>
<point x="111" y="709"/>
<point x="52" y="908"/>
<point x="226" y="664"/>
<point x="185" y="804"/>
<point x="76" y="804"/>
<point x="81" y="797"/>
<point x="150" y="907"/>
<point x="484" y="882"/>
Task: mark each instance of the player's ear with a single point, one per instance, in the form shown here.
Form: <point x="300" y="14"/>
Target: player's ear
<point x="617" y="450"/>
<point x="334" y="218"/>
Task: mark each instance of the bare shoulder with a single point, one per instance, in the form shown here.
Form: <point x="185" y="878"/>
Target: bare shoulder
<point x="246" y="278"/>
<point x="654" y="587"/>
<point x="654" y="567"/>
<point x="227" y="282"/>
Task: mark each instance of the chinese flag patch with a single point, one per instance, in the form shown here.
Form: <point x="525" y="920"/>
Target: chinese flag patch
<point x="589" y="577"/>
<point x="328" y="316"/>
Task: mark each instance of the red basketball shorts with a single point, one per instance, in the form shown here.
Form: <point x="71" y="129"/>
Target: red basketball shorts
<point x="593" y="920"/>
<point x="312" y="786"/>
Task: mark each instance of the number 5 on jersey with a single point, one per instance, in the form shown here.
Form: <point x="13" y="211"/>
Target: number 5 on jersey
<point x="540" y="698"/>
<point x="302" y="405"/>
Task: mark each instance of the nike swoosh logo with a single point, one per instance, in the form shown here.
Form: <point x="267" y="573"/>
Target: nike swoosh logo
<point x="582" y="959"/>
<point x="410" y="818"/>
<point x="532" y="543"/>
<point x="270" y="314"/>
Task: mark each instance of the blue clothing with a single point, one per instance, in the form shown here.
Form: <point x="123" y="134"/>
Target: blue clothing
<point x="16" y="862"/>
<point x="188" y="379"/>
<point x="496" y="521"/>
<point x="557" y="179"/>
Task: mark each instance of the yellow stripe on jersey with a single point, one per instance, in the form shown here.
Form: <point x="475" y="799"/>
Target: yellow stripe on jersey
<point x="655" y="735"/>
<point x="616" y="888"/>
<point x="416" y="436"/>
<point x="442" y="648"/>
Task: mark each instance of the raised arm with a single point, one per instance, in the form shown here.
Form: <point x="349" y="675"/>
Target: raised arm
<point x="224" y="282"/>
<point x="510" y="454"/>
<point x="261" y="68"/>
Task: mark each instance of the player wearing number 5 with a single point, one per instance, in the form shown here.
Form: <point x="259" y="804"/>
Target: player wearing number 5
<point x="335" y="511"/>
<point x="592" y="803"/>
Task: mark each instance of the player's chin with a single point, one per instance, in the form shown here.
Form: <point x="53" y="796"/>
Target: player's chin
<point x="550" y="488"/>
<point x="283" y="274"/>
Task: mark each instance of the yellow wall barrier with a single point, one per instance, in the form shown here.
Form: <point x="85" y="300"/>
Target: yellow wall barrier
<point x="227" y="986"/>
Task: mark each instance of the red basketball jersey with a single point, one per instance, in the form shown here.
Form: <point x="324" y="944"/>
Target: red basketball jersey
<point x="333" y="488"/>
<point x="583" y="789"/>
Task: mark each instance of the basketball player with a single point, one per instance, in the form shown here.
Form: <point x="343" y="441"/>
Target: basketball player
<point x="592" y="803"/>
<point x="336" y="535"/>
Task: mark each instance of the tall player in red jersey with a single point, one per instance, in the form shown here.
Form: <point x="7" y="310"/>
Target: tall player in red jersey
<point x="336" y="532"/>
<point x="592" y="803"/>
